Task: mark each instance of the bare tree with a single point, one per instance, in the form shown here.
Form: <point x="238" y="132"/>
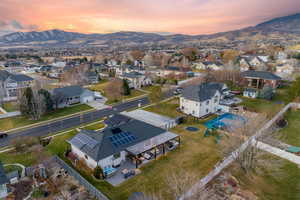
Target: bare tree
<point x="240" y="132"/>
<point x="2" y="94"/>
<point x="58" y="98"/>
<point x="114" y="89"/>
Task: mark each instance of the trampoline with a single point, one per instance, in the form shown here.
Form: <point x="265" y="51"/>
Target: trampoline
<point x="192" y="129"/>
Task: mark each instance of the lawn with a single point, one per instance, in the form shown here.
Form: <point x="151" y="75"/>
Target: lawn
<point x="95" y="126"/>
<point x="270" y="108"/>
<point x="275" y="178"/>
<point x="10" y="106"/>
<point x="15" y="122"/>
<point x="167" y="108"/>
<point x="101" y="86"/>
<point x="291" y="133"/>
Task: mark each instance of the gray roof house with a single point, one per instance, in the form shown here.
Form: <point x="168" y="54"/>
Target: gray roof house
<point x="136" y="79"/>
<point x="123" y="138"/>
<point x="258" y="79"/>
<point x="204" y="99"/>
<point x="14" y="83"/>
<point x="69" y="95"/>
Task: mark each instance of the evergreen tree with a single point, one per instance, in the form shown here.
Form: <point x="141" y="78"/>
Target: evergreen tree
<point x="126" y="89"/>
<point x="98" y="173"/>
<point x="48" y="99"/>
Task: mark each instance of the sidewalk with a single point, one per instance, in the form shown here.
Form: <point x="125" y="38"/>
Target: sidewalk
<point x="278" y="152"/>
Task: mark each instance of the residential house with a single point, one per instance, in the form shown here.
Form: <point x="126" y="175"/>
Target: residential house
<point x="128" y="68"/>
<point x="136" y="80"/>
<point x="13" y="84"/>
<point x="92" y="77"/>
<point x="285" y="71"/>
<point x="204" y="99"/>
<point x="250" y="93"/>
<point x="125" y="140"/>
<point x="177" y="71"/>
<point x="209" y="66"/>
<point x="71" y="95"/>
<point x="253" y="62"/>
<point x="258" y="79"/>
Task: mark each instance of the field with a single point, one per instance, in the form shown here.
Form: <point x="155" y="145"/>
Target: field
<point x="274" y="178"/>
<point x="16" y="122"/>
<point x="291" y="133"/>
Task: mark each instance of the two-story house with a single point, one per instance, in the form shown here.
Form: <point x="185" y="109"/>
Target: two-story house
<point x="202" y="100"/>
<point x="136" y="80"/>
<point x="13" y="84"/>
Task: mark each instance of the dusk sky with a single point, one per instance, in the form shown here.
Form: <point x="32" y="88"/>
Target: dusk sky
<point x="159" y="16"/>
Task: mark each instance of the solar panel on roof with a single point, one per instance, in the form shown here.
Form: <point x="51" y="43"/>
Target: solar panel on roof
<point x="122" y="138"/>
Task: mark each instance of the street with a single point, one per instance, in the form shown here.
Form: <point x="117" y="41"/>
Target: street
<point x="56" y="126"/>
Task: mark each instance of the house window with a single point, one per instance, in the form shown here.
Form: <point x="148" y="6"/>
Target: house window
<point x="206" y="110"/>
<point x="182" y="107"/>
<point x="193" y="112"/>
<point x="86" y="157"/>
<point x="207" y="102"/>
<point x="216" y="99"/>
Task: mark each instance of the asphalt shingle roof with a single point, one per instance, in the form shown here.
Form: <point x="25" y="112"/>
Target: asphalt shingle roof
<point x="16" y="77"/>
<point x="260" y="74"/>
<point x="69" y="91"/>
<point x="104" y="147"/>
<point x="202" y="92"/>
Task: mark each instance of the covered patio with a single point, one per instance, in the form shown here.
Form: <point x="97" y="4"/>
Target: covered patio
<point x="142" y="153"/>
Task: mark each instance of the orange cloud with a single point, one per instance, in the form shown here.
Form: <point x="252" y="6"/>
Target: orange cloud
<point x="178" y="16"/>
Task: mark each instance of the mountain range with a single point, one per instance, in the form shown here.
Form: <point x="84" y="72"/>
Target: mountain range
<point x="283" y="26"/>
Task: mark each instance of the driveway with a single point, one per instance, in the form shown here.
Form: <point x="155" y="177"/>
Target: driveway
<point x="98" y="104"/>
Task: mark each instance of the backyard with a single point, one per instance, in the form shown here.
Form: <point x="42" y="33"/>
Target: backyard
<point x="167" y="108"/>
<point x="291" y="134"/>
<point x="100" y="87"/>
<point x="16" y="122"/>
<point x="282" y="175"/>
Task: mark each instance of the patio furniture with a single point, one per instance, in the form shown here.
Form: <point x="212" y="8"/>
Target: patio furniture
<point x="127" y="173"/>
<point x="147" y="156"/>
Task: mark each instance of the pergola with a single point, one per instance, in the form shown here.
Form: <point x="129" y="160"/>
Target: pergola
<point x="153" y="143"/>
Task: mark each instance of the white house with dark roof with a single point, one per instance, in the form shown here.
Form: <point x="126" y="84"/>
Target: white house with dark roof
<point x="202" y="100"/>
<point x="136" y="80"/>
<point x="124" y="140"/>
<point x="70" y="95"/>
<point x="14" y="83"/>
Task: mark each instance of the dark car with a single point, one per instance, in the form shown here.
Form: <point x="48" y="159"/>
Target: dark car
<point x="3" y="135"/>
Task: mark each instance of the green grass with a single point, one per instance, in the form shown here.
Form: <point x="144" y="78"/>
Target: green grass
<point x="291" y="133"/>
<point x="167" y="108"/>
<point x="134" y="93"/>
<point x="10" y="106"/>
<point x="96" y="126"/>
<point x="16" y="122"/>
<point x="270" y="108"/>
<point x="279" y="179"/>
<point x="11" y="168"/>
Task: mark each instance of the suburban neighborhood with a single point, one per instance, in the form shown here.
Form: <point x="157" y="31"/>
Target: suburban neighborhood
<point x="150" y="116"/>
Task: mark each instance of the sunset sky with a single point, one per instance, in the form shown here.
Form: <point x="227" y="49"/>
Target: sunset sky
<point x="158" y="16"/>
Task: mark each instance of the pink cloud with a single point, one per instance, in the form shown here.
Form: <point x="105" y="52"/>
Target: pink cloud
<point x="179" y="16"/>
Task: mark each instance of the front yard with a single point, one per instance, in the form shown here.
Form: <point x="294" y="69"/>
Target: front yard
<point x="167" y="108"/>
<point x="10" y="106"/>
<point x="16" y="122"/>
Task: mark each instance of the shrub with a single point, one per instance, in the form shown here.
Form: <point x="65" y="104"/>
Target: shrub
<point x="98" y="173"/>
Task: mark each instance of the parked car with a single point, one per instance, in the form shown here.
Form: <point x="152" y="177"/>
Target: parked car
<point x="3" y="135"/>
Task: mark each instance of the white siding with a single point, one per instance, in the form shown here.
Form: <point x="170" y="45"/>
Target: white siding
<point x="89" y="161"/>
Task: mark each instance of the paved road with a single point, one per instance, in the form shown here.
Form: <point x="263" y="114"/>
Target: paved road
<point x="74" y="121"/>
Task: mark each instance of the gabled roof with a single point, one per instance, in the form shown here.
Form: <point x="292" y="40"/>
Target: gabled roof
<point x="132" y="75"/>
<point x="4" y="75"/>
<point x="202" y="92"/>
<point x="139" y="131"/>
<point x="260" y="74"/>
<point x="69" y="91"/>
<point x="20" y="77"/>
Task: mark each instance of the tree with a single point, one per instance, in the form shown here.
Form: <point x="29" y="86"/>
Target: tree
<point x="2" y="94"/>
<point x="57" y="98"/>
<point x="129" y="62"/>
<point x="48" y="99"/>
<point x="126" y="89"/>
<point x="190" y="53"/>
<point x="156" y="94"/>
<point x="241" y="131"/>
<point x="98" y="173"/>
<point x="229" y="55"/>
<point x="137" y="54"/>
<point x="114" y="89"/>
